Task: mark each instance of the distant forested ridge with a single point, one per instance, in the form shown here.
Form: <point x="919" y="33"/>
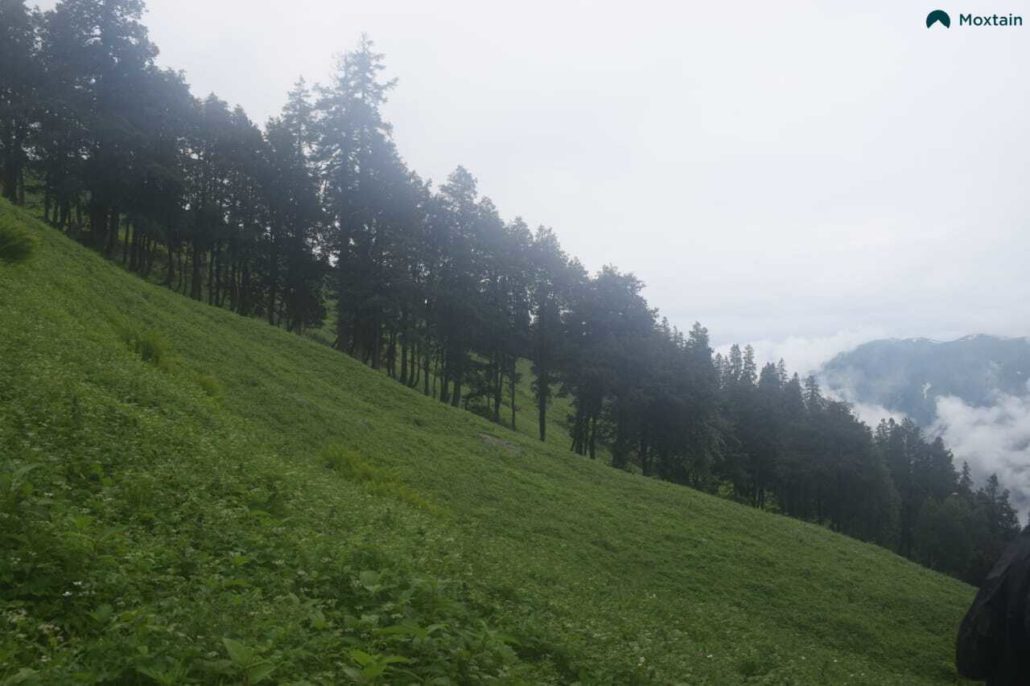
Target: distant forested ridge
<point x="313" y="219"/>
<point x="910" y="375"/>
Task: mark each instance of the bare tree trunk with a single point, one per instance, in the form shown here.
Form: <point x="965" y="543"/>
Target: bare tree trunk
<point x="196" y="291"/>
<point x="125" y="242"/>
<point x="114" y="224"/>
<point x="513" y="380"/>
<point x="593" y="437"/>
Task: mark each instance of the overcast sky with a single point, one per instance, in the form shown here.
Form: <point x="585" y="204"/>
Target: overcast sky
<point x="805" y="175"/>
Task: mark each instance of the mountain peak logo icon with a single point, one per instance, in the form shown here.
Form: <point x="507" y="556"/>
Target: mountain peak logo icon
<point x="938" y="16"/>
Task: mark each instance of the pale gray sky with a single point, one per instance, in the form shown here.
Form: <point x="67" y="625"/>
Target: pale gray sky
<point x="805" y="175"/>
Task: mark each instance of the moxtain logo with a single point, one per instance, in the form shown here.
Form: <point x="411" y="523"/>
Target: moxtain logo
<point x="938" y="16"/>
<point x="941" y="17"/>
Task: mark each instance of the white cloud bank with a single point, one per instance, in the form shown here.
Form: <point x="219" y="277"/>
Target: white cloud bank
<point x="806" y="354"/>
<point x="993" y="440"/>
<point x="871" y="413"/>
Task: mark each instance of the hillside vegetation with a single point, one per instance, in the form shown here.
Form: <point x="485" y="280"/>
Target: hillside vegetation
<point x="316" y="224"/>
<point x="189" y="496"/>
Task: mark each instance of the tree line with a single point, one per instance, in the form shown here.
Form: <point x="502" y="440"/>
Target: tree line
<point x="313" y="219"/>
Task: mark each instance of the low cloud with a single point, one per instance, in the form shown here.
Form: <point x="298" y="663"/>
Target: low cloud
<point x="806" y="354"/>
<point x="871" y="413"/>
<point x="993" y="439"/>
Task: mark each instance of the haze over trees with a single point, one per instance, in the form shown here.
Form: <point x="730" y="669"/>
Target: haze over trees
<point x="314" y="219"/>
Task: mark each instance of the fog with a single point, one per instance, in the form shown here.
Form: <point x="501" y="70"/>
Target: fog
<point x="786" y="173"/>
<point x="803" y="176"/>
<point x="993" y="440"/>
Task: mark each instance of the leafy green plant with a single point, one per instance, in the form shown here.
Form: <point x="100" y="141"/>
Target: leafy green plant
<point x="350" y="465"/>
<point x="168" y="672"/>
<point x="16" y="243"/>
<point x="210" y="385"/>
<point x="248" y="662"/>
<point x="151" y="346"/>
<point x="371" y="668"/>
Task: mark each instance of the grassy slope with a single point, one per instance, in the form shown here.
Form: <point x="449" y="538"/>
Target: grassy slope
<point x="156" y="509"/>
<point x="526" y="419"/>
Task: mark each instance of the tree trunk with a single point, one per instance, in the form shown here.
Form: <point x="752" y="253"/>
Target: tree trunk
<point x="513" y="381"/>
<point x="125" y="243"/>
<point x="211" y="274"/>
<point x="9" y="173"/>
<point x="98" y="216"/>
<point x="498" y="387"/>
<point x="456" y="395"/>
<point x="425" y="369"/>
<point x="543" y="391"/>
<point x="273" y="282"/>
<point x="114" y="224"/>
<point x="593" y="437"/>
<point x="195" y="278"/>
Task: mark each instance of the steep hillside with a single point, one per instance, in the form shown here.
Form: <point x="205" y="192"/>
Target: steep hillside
<point x="190" y="496"/>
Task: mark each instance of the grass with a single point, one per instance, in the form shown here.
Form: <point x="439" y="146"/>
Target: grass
<point x="190" y="496"/>
<point x="16" y="243"/>
<point x="526" y="419"/>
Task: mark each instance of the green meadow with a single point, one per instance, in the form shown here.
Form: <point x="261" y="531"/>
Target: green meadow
<point x="188" y="496"/>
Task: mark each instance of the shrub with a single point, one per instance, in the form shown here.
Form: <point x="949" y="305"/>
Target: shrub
<point x="149" y="345"/>
<point x="401" y="492"/>
<point x="350" y="465"/>
<point x="209" y="384"/>
<point x="16" y="243"/>
<point x="380" y="482"/>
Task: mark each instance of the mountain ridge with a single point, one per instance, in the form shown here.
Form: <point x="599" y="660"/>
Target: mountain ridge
<point x="894" y="373"/>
